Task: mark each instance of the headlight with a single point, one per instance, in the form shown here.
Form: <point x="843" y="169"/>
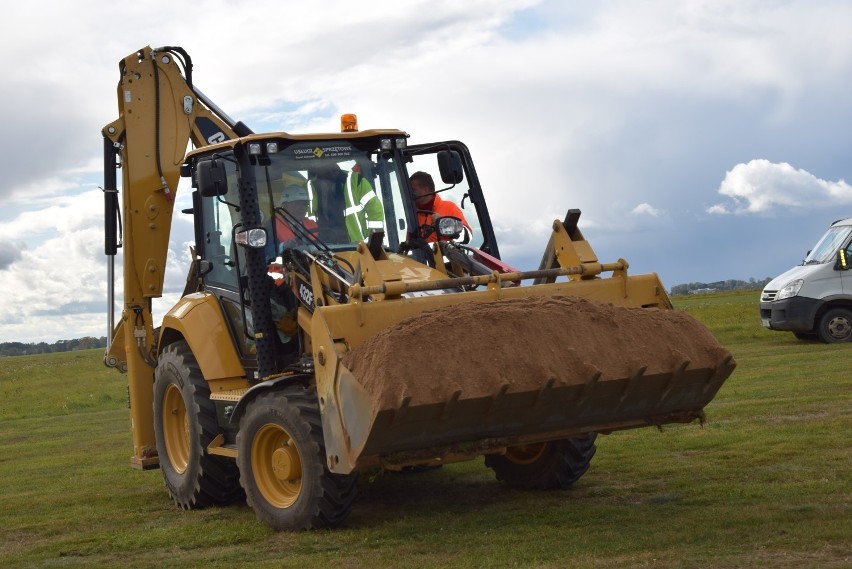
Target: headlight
<point x="790" y="289"/>
<point x="254" y="238"/>
<point x="449" y="226"/>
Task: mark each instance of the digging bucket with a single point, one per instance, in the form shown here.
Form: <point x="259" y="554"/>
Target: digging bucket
<point x="451" y="376"/>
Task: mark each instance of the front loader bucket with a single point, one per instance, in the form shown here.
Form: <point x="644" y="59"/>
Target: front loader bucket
<point x="399" y="385"/>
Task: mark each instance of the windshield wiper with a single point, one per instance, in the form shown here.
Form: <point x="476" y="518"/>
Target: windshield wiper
<point x="306" y="235"/>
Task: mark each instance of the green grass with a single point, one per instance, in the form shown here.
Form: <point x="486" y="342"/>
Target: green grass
<point x="766" y="482"/>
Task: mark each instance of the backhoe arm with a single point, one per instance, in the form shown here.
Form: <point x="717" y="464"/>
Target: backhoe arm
<point x="160" y="114"/>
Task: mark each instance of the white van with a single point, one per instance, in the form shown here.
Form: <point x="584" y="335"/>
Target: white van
<point x="814" y="299"/>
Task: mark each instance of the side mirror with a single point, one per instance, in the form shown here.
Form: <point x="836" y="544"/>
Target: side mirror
<point x="450" y="165"/>
<point x="211" y="177"/>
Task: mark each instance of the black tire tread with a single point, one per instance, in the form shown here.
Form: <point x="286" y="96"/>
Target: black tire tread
<point x="562" y="464"/>
<point x="215" y="481"/>
<point x="332" y="503"/>
<point x="822" y="327"/>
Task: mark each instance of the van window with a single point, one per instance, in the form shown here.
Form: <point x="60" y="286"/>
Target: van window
<point x="827" y="247"/>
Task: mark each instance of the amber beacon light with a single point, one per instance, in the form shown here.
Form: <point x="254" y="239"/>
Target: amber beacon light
<point x="348" y="123"/>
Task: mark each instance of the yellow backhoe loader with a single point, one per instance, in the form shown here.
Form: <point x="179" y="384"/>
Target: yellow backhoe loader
<point x="333" y="323"/>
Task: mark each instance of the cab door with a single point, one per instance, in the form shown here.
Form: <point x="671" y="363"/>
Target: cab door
<point x="466" y="194"/>
<point x="220" y="215"/>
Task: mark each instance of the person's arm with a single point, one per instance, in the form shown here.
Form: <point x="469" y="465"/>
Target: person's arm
<point x="374" y="213"/>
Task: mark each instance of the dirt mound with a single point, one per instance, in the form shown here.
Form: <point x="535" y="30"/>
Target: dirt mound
<point x="519" y="344"/>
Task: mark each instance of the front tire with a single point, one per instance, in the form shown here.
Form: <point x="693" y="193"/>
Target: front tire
<point x="835" y="326"/>
<point x="282" y="463"/>
<point x="544" y="466"/>
<point x="184" y="425"/>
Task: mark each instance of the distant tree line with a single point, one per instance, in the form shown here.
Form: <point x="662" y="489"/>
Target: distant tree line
<point x="730" y="284"/>
<point x="21" y="349"/>
<point x="89" y="342"/>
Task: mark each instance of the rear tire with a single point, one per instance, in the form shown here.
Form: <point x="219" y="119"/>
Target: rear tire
<point x="544" y="466"/>
<point x="835" y="326"/>
<point x="283" y="465"/>
<point x="184" y="425"/>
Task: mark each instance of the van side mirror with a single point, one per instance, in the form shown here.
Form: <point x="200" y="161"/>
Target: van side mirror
<point x="450" y="165"/>
<point x="211" y="177"/>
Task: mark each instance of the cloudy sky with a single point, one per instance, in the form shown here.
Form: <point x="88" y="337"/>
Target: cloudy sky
<point x="702" y="140"/>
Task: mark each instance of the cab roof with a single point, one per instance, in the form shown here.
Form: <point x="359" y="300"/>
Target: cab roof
<point x="336" y="136"/>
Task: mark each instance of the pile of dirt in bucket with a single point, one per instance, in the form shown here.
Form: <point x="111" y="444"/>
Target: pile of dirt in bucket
<point x="519" y="344"/>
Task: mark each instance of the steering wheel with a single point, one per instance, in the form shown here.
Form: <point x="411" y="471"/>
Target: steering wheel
<point x="420" y="248"/>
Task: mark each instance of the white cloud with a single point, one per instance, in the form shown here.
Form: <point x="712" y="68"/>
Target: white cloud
<point x="57" y="287"/>
<point x="645" y="209"/>
<point x="9" y="253"/>
<point x="761" y="186"/>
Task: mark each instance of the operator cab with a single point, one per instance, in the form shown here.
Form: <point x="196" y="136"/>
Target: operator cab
<point x="266" y="199"/>
<point x="352" y="186"/>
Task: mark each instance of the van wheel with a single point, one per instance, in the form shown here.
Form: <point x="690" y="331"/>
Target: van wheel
<point x="544" y="466"/>
<point x="282" y="463"/>
<point x="835" y="326"/>
<point x="184" y="425"/>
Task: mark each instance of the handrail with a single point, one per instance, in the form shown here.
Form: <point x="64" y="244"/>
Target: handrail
<point x="396" y="288"/>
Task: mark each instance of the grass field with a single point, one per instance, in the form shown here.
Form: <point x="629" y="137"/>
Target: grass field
<point x="766" y="482"/>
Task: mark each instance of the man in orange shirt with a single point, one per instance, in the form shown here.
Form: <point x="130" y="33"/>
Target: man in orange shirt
<point x="430" y="206"/>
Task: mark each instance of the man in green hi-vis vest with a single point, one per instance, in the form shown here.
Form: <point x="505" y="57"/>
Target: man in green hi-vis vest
<point x="352" y="198"/>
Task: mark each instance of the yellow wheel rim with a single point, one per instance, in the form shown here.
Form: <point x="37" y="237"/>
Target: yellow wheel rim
<point x="525" y="454"/>
<point x="277" y="465"/>
<point x="176" y="428"/>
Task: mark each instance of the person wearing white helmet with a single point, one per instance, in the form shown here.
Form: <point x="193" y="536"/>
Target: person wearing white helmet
<point x="296" y="202"/>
